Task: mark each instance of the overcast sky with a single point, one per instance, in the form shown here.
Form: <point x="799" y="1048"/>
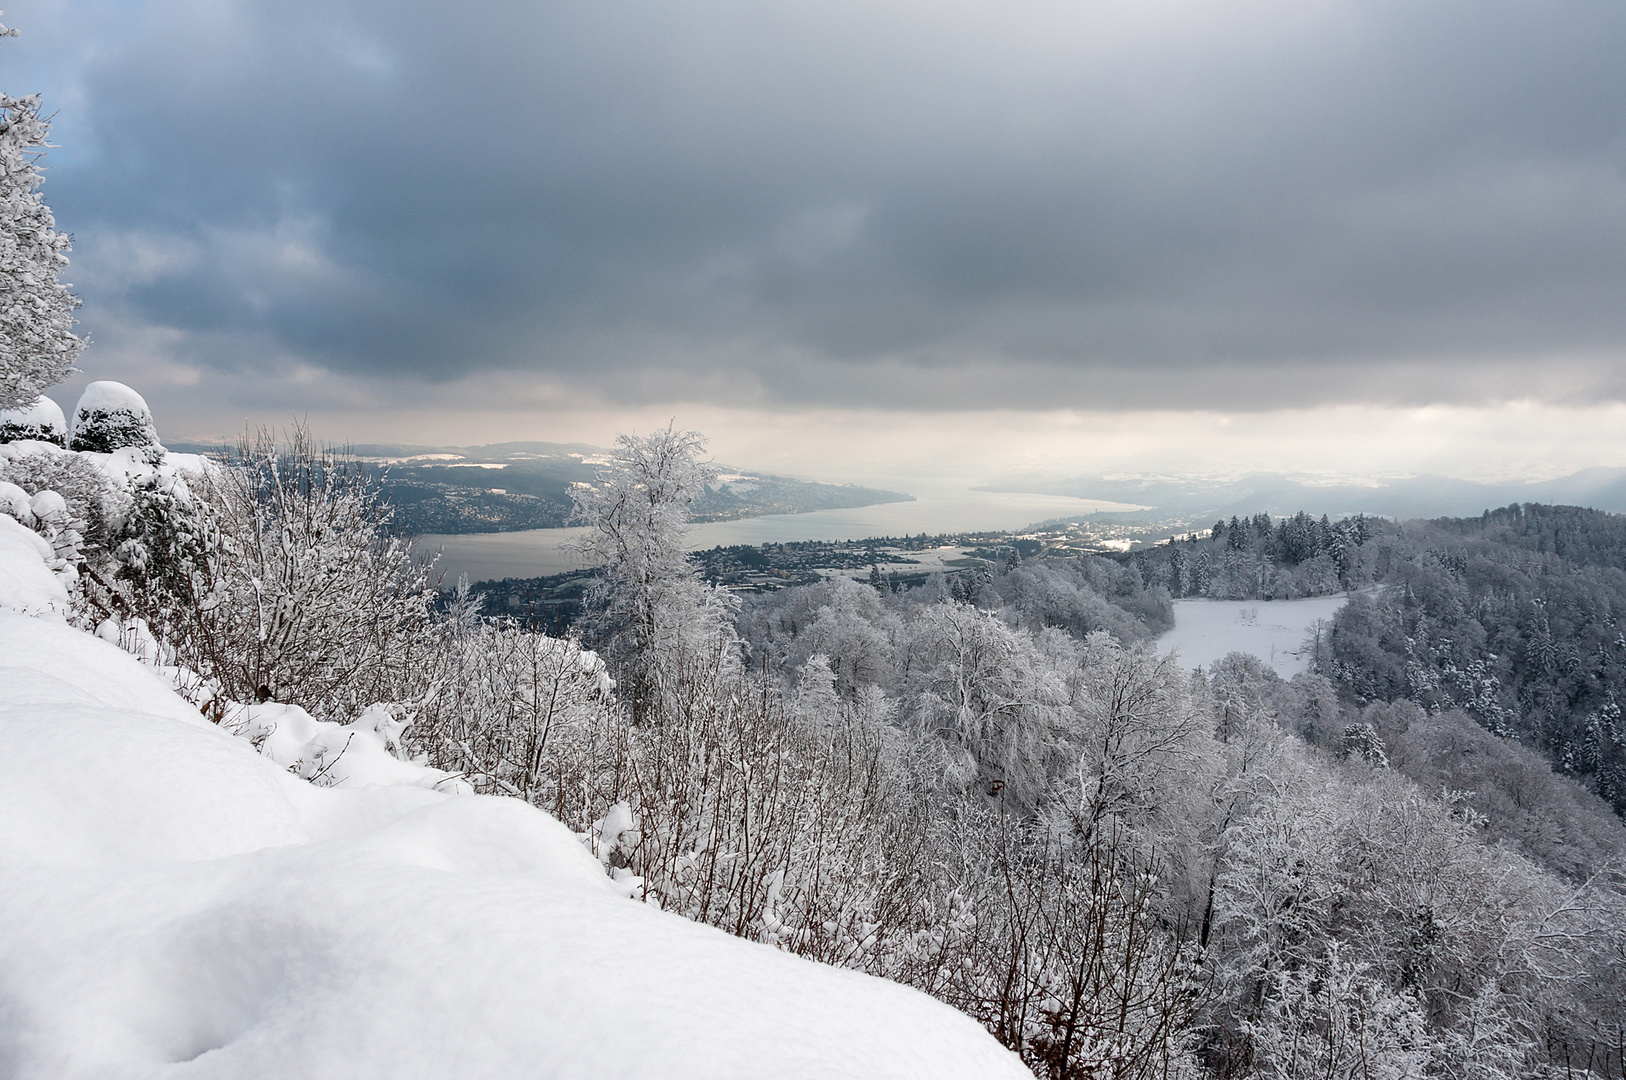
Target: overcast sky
<point x="1094" y="234"/>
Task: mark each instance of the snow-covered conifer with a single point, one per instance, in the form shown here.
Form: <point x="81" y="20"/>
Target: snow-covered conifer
<point x="111" y="416"/>
<point x="37" y="342"/>
<point x="41" y="421"/>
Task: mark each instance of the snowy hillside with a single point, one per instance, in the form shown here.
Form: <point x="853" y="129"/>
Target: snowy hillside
<point x="175" y="903"/>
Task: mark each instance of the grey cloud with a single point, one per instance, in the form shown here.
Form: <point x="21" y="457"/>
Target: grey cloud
<point x="949" y="206"/>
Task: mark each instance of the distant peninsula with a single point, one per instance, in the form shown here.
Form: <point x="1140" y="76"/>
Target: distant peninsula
<point x="507" y="487"/>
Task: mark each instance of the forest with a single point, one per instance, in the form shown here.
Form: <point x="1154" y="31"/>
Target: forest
<point x="1511" y="618"/>
<point x="989" y="787"/>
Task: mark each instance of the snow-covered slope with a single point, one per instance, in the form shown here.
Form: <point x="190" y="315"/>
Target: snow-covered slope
<point x="176" y="904"/>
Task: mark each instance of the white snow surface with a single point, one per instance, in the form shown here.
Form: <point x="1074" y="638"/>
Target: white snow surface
<point x="16" y="503"/>
<point x="175" y="904"/>
<point x="112" y="397"/>
<point x="44" y="413"/>
<point x="1273" y="630"/>
<point x="27" y="585"/>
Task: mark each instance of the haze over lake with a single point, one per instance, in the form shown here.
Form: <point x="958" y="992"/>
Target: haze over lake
<point x="536" y="552"/>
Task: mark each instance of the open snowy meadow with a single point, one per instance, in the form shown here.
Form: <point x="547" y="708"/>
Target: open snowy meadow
<point x="1273" y="630"/>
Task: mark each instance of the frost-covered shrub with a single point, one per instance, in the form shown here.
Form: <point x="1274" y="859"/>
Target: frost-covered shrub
<point x="524" y="714"/>
<point x="362" y="753"/>
<point x="42" y="421"/>
<point x="111" y="416"/>
<point x="54" y="521"/>
<point x="272" y="576"/>
<point x="166" y="552"/>
<point x="15" y="503"/>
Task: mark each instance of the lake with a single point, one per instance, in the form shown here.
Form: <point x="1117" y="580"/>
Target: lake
<point x="536" y="552"/>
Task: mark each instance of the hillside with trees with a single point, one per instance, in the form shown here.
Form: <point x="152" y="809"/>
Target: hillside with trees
<point x="989" y="787"/>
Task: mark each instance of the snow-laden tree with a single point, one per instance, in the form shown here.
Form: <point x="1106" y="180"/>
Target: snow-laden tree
<point x="653" y="614"/>
<point x="110" y="416"/>
<point x="37" y="342"/>
<point x="989" y="692"/>
<point x="40" y="422"/>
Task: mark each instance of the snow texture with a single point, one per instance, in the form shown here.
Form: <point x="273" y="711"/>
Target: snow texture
<point x="177" y="904"/>
<point x="27" y="585"/>
<point x="1273" y="630"/>
<point x="363" y="753"/>
<point x="41" y="420"/>
<point x="16" y="503"/>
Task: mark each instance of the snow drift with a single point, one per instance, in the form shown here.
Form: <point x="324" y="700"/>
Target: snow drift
<point x="177" y="904"/>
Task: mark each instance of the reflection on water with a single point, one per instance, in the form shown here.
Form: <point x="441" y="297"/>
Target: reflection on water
<point x="536" y="552"/>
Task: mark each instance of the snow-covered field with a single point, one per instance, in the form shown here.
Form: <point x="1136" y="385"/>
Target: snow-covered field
<point x="1272" y="630"/>
<point x="175" y="903"/>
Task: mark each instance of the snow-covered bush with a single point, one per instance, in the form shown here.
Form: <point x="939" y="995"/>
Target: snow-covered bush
<point x="524" y="714"/>
<point x="41" y="421"/>
<point x="89" y="492"/>
<point x="272" y="575"/>
<point x="110" y="416"/>
<point x="167" y="552"/>
<point x="364" y="752"/>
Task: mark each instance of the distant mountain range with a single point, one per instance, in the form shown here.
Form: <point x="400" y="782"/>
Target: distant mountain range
<point x="505" y="487"/>
<point x="1275" y="493"/>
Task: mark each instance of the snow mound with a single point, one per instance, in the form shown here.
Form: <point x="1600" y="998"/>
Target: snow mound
<point x="27" y="585"/>
<point x="42" y="420"/>
<point x="176" y="904"/>
<point x="111" y="416"/>
<point x="362" y="753"/>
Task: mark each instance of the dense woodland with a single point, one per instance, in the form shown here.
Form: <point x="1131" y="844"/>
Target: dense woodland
<point x="989" y="787"/>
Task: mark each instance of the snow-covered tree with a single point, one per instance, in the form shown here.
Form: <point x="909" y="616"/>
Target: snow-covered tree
<point x="42" y="421"/>
<point x="649" y="608"/>
<point x="110" y="416"/>
<point x="37" y="342"/>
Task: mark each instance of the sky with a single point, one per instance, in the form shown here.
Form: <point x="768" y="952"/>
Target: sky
<point x="859" y="240"/>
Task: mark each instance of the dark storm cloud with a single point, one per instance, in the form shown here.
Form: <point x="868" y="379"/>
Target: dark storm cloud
<point x="930" y="205"/>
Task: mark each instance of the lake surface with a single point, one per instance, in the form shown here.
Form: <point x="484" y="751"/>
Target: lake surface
<point x="535" y="552"/>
